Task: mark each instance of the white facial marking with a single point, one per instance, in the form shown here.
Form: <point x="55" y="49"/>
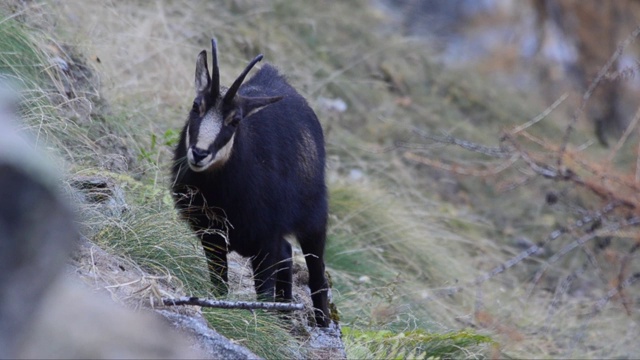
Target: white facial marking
<point x="210" y="162"/>
<point x="209" y="129"/>
<point x="225" y="152"/>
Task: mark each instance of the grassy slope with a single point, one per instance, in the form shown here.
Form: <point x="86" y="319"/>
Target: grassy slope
<point x="397" y="235"/>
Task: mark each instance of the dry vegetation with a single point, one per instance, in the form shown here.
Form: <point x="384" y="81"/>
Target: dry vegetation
<point x="452" y="214"/>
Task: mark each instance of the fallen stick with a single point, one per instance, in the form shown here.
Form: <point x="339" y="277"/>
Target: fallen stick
<point x="224" y="304"/>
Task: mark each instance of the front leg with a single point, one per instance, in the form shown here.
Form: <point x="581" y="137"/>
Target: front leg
<point x="264" y="275"/>
<point x="215" y="249"/>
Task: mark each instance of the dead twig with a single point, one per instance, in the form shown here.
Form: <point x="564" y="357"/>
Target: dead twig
<point x="462" y="170"/>
<point x="494" y="152"/>
<point x="600" y="304"/>
<point x="564" y="173"/>
<point x="587" y="94"/>
<point x="632" y="125"/>
<point x="580" y="223"/>
<point x="224" y="304"/>
<point x="540" y="116"/>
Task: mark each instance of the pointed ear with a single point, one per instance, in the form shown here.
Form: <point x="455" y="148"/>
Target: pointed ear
<point x="251" y="105"/>
<point x="202" y="73"/>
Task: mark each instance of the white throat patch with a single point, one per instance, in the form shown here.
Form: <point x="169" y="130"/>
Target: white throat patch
<point x="225" y="152"/>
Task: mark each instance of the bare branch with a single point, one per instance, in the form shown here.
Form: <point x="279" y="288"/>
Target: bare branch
<point x="597" y="308"/>
<point x="615" y="291"/>
<point x="542" y="169"/>
<point x="222" y="304"/>
<point x="509" y="263"/>
<point x="496" y="152"/>
<point x="463" y="170"/>
<point x="552" y="236"/>
<point x="601" y="232"/>
<point x="587" y="219"/>
<point x="587" y="94"/>
<point x="632" y="125"/>
<point x="566" y="174"/>
<point x="540" y="116"/>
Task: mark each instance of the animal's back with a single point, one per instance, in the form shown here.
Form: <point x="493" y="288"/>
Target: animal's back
<point x="288" y="133"/>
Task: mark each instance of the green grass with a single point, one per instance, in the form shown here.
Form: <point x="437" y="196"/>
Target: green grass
<point x="58" y="104"/>
<point x="150" y="234"/>
<point x="24" y="69"/>
<point x="415" y="344"/>
<point x="19" y="58"/>
<point x="387" y="258"/>
<point x="263" y="333"/>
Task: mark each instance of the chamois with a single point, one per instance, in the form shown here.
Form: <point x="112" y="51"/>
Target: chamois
<point x="249" y="171"/>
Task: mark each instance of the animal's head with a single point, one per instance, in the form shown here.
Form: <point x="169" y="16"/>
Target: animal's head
<point x="216" y="113"/>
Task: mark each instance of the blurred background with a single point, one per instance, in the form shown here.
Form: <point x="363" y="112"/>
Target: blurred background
<point x="552" y="44"/>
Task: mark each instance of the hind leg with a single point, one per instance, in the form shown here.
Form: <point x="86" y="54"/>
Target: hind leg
<point x="312" y="245"/>
<point x="284" y="273"/>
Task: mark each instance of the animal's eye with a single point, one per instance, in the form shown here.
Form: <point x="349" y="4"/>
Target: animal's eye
<point x="196" y="106"/>
<point x="233" y="119"/>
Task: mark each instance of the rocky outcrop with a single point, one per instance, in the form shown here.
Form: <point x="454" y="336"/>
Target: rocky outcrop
<point x="36" y="233"/>
<point x="125" y="283"/>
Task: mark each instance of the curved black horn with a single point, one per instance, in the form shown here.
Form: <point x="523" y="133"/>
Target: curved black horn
<point x="215" y="72"/>
<point x="231" y="93"/>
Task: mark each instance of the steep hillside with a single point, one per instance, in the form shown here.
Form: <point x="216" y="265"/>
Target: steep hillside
<point x="109" y="84"/>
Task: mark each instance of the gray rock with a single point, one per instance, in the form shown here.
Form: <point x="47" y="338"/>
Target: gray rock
<point x="326" y="343"/>
<point x="75" y="322"/>
<point x="207" y="340"/>
<point x="125" y="283"/>
<point x="102" y="191"/>
<point x="42" y="313"/>
<point x="36" y="232"/>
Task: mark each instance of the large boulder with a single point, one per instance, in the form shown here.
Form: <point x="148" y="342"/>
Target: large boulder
<point x="49" y="307"/>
